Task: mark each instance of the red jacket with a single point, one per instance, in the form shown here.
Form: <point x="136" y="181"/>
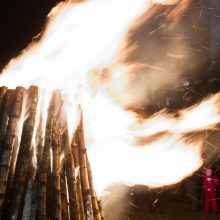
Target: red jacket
<point x="210" y="183"/>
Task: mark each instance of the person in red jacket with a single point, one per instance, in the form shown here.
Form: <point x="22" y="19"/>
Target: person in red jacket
<point x="210" y="184"/>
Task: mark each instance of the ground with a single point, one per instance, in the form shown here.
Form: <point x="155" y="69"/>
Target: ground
<point x="140" y="203"/>
<point x="174" y="211"/>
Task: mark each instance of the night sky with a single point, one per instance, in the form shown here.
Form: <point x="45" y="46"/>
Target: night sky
<point x="20" y="20"/>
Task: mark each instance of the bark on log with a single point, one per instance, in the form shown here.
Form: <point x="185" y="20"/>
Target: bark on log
<point x="64" y="202"/>
<point x="39" y="155"/>
<point x="26" y="214"/>
<point x="95" y="207"/>
<point x="19" y="183"/>
<point x="40" y="139"/>
<point x="13" y="160"/>
<point x="71" y="179"/>
<point x="56" y="148"/>
<point x="4" y="114"/>
<point x="12" y="169"/>
<point x="100" y="209"/>
<point x="84" y="172"/>
<point x="8" y="141"/>
<point x="75" y="152"/>
<point x="3" y="90"/>
<point x="45" y="166"/>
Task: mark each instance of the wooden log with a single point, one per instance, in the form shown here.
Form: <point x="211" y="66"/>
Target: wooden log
<point x="75" y="173"/>
<point x="84" y="172"/>
<point x="15" y="149"/>
<point x="29" y="194"/>
<point x="56" y="149"/>
<point x="95" y="207"/>
<point x="3" y="90"/>
<point x="26" y="214"/>
<point x="13" y="160"/>
<point x="64" y="201"/>
<point x="11" y="169"/>
<point x="100" y="209"/>
<point x="45" y="166"/>
<point x="40" y="139"/>
<point x="75" y="152"/>
<point x="4" y="114"/>
<point x="49" y="188"/>
<point x="8" y="141"/>
<point x="71" y="179"/>
<point x="39" y="154"/>
<point x="19" y="183"/>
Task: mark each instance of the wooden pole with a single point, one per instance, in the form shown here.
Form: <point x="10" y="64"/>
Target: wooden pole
<point x="13" y="160"/>
<point x="100" y="209"/>
<point x="29" y="192"/>
<point x="62" y="189"/>
<point x="4" y="114"/>
<point x="84" y="172"/>
<point x="39" y="154"/>
<point x="95" y="207"/>
<point x="11" y="169"/>
<point x="49" y="186"/>
<point x="8" y="141"/>
<point x="45" y="169"/>
<point x="40" y="139"/>
<point x="71" y="179"/>
<point x="75" y="151"/>
<point x="27" y="210"/>
<point x="56" y="148"/>
<point x="64" y="202"/>
<point x="19" y="183"/>
<point x="3" y="90"/>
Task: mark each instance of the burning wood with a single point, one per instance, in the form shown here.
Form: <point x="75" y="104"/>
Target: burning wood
<point x="75" y="151"/>
<point x="19" y="183"/>
<point x="71" y="178"/>
<point x="8" y="140"/>
<point x="95" y="207"/>
<point x="84" y="171"/>
<point x="4" y="115"/>
<point x="64" y="201"/>
<point x="63" y="182"/>
<point x="3" y="90"/>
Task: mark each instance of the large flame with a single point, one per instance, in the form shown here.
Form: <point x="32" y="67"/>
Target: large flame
<point x="86" y="36"/>
<point x="162" y="154"/>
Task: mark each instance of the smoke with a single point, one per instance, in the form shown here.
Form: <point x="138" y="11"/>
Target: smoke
<point x="144" y="43"/>
<point x="80" y="32"/>
<point x="156" y="54"/>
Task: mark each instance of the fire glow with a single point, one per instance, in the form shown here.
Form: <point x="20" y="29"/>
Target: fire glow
<point x="90" y="35"/>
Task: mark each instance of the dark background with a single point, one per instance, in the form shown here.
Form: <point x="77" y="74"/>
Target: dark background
<point x="20" y="21"/>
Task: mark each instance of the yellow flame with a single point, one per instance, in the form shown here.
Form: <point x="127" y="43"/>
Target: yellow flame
<point x="202" y="116"/>
<point x="114" y="157"/>
<point x="80" y="38"/>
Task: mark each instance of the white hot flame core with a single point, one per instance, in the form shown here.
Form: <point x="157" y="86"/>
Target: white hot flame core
<point x="89" y="35"/>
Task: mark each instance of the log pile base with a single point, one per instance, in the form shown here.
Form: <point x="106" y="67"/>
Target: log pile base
<point x="43" y="173"/>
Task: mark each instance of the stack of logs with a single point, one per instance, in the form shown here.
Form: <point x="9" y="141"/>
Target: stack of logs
<point x="43" y="175"/>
